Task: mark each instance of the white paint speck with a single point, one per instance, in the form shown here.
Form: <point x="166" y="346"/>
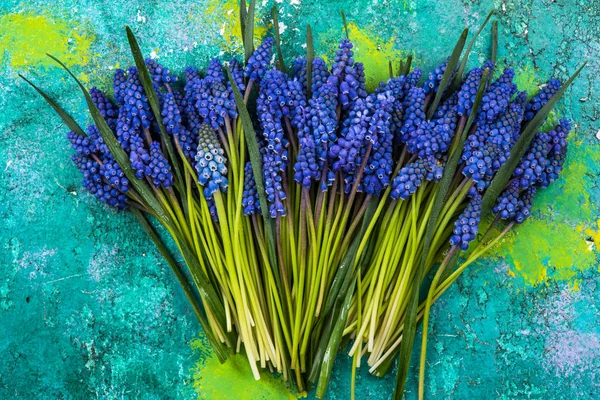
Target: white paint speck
<point x="141" y="18"/>
<point x="295" y="2"/>
<point x="282" y="27"/>
<point x="598" y="134"/>
<point x="153" y="54"/>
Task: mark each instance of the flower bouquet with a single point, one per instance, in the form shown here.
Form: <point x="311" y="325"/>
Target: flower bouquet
<point x="308" y="212"/>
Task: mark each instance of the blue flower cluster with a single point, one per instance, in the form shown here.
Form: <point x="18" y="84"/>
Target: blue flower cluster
<point x="212" y="98"/>
<point x="496" y="100"/>
<point x="107" y="109"/>
<point x="541" y="98"/>
<point x="160" y="169"/>
<point x="160" y="75"/>
<point x="467" y="224"/>
<point x="259" y="61"/>
<point x="250" y="200"/>
<point x="274" y="103"/>
<point x="435" y="78"/>
<point x="210" y="162"/>
<point x="539" y="167"/>
<point x="346" y="76"/>
<point x="412" y="176"/>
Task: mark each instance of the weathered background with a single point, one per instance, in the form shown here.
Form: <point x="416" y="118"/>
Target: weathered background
<point x="89" y="309"/>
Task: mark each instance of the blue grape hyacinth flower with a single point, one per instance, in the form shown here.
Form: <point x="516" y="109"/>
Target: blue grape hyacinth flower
<point x="210" y="162"/>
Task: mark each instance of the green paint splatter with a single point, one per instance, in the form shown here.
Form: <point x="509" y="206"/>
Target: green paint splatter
<point x="233" y="379"/>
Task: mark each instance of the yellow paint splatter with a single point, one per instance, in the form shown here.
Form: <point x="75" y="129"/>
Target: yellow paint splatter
<point x="27" y="38"/>
<point x="226" y="14"/>
<point x="375" y="54"/>
<point x="233" y="379"/>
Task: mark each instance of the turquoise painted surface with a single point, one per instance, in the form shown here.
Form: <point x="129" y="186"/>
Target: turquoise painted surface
<point x="88" y="308"/>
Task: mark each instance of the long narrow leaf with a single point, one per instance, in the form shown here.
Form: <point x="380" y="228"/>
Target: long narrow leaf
<point x="503" y="175"/>
<point x="256" y="162"/>
<point x="463" y="63"/>
<point x="243" y="17"/>
<point x="153" y="101"/>
<point x="118" y="153"/>
<point x="310" y="56"/>
<point x="280" y="62"/>
<point x="249" y="31"/>
<point x="494" y="42"/>
<point x="345" y="24"/>
<point x="410" y="322"/>
<point x="67" y="119"/>
<point x="450" y="67"/>
<point x="220" y="350"/>
<point x="407" y="65"/>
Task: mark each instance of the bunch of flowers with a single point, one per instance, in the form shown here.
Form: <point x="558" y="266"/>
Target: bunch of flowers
<point x="319" y="219"/>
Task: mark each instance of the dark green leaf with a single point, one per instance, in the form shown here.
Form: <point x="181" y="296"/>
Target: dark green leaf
<point x="118" y="153"/>
<point x="345" y="24"/>
<point x="310" y="56"/>
<point x="153" y="101"/>
<point x="67" y="119"/>
<point x="391" y="69"/>
<point x="450" y="67"/>
<point x="243" y="17"/>
<point x="255" y="160"/>
<point x="280" y="62"/>
<point x="494" y="42"/>
<point x="503" y="175"/>
<point x="410" y="321"/>
<point x="463" y="63"/>
<point x="249" y="31"/>
<point x="220" y="350"/>
<point x="407" y="65"/>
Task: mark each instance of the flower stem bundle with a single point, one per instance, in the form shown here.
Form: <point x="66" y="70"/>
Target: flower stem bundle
<point x="309" y="212"/>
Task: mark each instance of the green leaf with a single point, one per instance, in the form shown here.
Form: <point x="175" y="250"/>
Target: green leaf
<point x="154" y="105"/>
<point x="280" y="62"/>
<point x="407" y="65"/>
<point x="249" y="31"/>
<point x="141" y="187"/>
<point x="494" y="42"/>
<point x="256" y="162"/>
<point x="450" y="67"/>
<point x="410" y="321"/>
<point x="67" y="119"/>
<point x="391" y="69"/>
<point x="463" y="63"/>
<point x="220" y="350"/>
<point x="310" y="56"/>
<point x="503" y="175"/>
<point x="243" y="17"/>
<point x="345" y="24"/>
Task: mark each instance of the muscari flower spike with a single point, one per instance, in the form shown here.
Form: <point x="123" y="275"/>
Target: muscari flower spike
<point x="237" y="73"/>
<point x="541" y="98"/>
<point x="524" y="205"/>
<point x="258" y="62"/>
<point x="467" y="224"/>
<point x="508" y="202"/>
<point x="139" y="157"/>
<point x="250" y="200"/>
<point x="107" y="109"/>
<point x="412" y="175"/>
<point x="172" y="119"/>
<point x="346" y="152"/>
<point x="160" y="75"/>
<point x="496" y="100"/>
<point x="414" y="113"/>
<point x="160" y="169"/>
<point x="468" y="91"/>
<point x="379" y="165"/>
<point x="136" y="103"/>
<point x="92" y="181"/>
<point x="435" y="78"/>
<point x="345" y="76"/>
<point x="533" y="164"/>
<point x="558" y="151"/>
<point x="210" y="162"/>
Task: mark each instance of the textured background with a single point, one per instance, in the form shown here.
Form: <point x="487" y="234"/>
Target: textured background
<point x="88" y="308"/>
